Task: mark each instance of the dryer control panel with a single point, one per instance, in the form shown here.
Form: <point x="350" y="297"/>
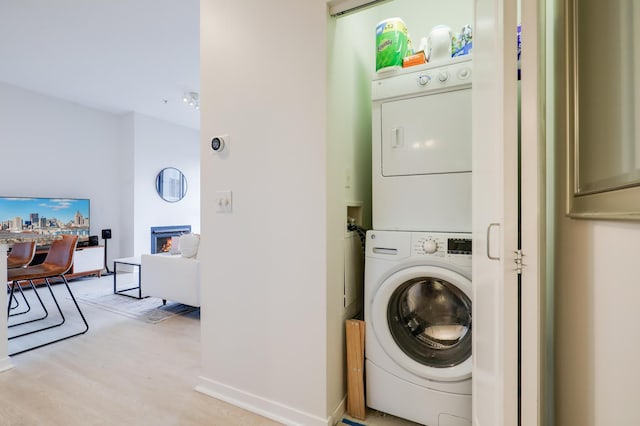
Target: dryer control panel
<point x="424" y="80"/>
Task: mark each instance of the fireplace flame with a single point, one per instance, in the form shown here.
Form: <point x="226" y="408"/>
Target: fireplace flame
<point x="166" y="246"/>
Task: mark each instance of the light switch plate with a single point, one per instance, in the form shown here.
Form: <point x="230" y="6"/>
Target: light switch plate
<point x="224" y="202"/>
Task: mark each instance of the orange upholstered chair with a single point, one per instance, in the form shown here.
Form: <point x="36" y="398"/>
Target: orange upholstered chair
<point x="21" y="254"/>
<point x="58" y="262"/>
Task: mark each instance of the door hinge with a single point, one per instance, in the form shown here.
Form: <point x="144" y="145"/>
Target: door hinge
<point x="518" y="261"/>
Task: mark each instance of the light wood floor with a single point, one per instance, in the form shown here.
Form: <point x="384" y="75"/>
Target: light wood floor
<point x="122" y="372"/>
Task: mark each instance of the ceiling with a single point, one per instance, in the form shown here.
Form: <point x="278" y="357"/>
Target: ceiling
<point x="118" y="56"/>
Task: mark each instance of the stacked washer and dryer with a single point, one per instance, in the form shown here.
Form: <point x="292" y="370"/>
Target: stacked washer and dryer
<point x="418" y="255"/>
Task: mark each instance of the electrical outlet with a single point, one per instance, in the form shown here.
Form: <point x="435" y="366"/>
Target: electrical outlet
<point x="223" y="202"/>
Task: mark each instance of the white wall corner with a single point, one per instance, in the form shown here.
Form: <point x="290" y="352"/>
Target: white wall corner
<point x="262" y="406"/>
<point x="5" y="364"/>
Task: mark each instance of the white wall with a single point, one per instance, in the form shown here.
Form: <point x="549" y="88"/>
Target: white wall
<point x="159" y="144"/>
<point x="597" y="339"/>
<point x="264" y="284"/>
<point x="55" y="148"/>
<point x="127" y="183"/>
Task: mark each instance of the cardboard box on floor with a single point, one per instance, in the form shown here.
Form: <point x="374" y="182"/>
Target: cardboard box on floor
<point x="355" y="330"/>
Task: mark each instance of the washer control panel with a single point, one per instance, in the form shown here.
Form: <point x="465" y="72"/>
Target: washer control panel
<point x="441" y="245"/>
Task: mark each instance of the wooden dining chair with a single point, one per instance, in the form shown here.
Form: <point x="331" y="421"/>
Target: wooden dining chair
<point x="57" y="262"/>
<point x="21" y="255"/>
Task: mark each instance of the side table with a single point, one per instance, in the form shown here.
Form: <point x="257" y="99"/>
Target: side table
<point x="131" y="261"/>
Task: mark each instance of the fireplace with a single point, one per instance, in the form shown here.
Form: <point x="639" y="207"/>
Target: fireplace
<point x="161" y="236"/>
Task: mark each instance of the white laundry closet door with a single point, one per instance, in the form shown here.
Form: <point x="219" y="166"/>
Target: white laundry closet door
<point x="495" y="215"/>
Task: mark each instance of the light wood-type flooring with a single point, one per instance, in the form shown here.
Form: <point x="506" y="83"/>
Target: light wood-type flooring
<point x="122" y="372"/>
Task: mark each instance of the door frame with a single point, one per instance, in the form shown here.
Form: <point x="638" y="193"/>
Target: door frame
<point x="533" y="212"/>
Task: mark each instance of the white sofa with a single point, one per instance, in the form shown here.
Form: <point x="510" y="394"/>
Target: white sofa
<point x="171" y="277"/>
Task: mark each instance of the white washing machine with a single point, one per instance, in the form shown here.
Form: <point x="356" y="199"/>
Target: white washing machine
<point x="418" y="326"/>
<point x="421" y="149"/>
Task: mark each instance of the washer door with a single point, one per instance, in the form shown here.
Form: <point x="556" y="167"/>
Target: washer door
<point x="422" y="317"/>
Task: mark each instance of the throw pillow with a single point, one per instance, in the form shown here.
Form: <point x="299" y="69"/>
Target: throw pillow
<point x="189" y="245"/>
<point x="175" y="245"/>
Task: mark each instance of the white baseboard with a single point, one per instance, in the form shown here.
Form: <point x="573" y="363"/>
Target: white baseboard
<point x="5" y="364"/>
<point x="262" y="406"/>
<point x="338" y="413"/>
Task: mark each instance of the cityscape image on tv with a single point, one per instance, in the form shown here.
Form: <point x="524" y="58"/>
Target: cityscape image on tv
<point x="42" y="219"/>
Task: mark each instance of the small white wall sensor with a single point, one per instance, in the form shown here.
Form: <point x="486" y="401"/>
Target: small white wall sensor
<point x="217" y="144"/>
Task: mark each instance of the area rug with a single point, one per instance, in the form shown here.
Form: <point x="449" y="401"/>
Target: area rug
<point x="149" y="309"/>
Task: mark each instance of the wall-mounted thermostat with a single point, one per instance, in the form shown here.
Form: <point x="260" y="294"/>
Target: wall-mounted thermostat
<point x="218" y="143"/>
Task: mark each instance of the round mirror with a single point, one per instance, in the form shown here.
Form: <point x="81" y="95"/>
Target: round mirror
<point x="171" y="184"/>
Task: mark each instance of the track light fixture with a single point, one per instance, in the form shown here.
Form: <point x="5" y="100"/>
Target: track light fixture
<point x="192" y="99"/>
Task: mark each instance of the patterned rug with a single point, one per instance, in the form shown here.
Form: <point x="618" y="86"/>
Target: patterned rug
<point x="149" y="309"/>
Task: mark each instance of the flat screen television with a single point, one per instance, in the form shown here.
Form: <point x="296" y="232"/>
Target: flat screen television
<point x="43" y="219"/>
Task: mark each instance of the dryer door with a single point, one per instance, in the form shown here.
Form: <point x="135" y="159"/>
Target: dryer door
<point x="428" y="134"/>
<point x="422" y="318"/>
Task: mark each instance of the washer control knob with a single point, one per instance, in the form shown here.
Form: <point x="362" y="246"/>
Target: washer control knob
<point x="430" y="246"/>
<point x="443" y="76"/>
<point x="424" y="79"/>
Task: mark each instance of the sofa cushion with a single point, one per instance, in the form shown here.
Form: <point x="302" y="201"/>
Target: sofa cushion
<point x="171" y="277"/>
<point x="189" y="245"/>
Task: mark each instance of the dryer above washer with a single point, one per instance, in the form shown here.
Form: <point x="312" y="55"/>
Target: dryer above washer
<point x="421" y="150"/>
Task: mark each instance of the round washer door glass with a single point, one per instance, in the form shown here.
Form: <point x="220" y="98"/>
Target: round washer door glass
<point x="430" y="321"/>
<point x="171" y="184"/>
